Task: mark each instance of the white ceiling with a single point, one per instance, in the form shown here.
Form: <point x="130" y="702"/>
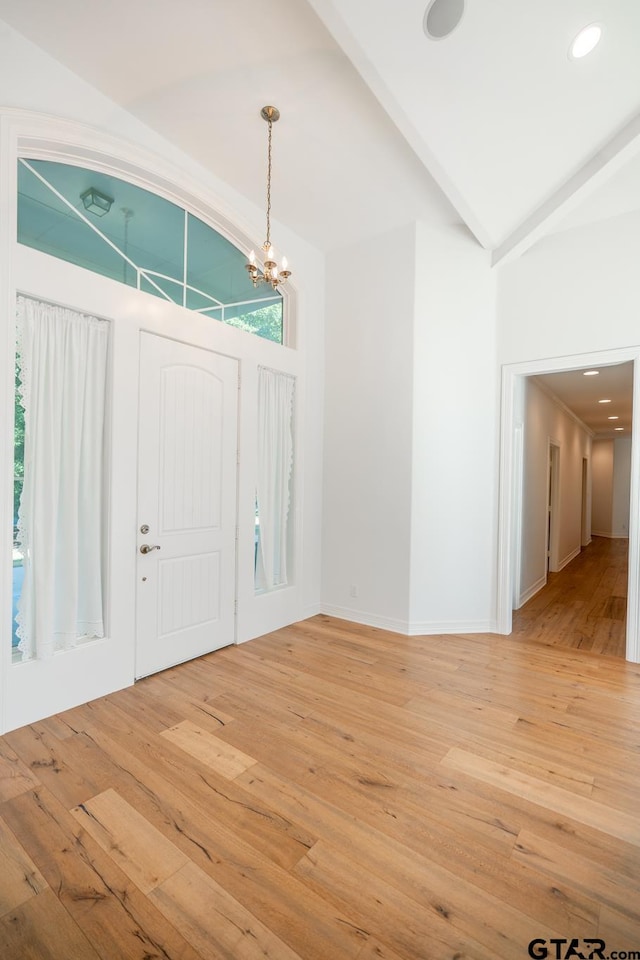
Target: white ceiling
<point x="200" y="71"/>
<point x="492" y="126"/>
<point x="582" y="395"/>
<point x="508" y="124"/>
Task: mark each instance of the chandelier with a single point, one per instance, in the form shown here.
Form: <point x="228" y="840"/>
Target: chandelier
<point x="271" y="272"/>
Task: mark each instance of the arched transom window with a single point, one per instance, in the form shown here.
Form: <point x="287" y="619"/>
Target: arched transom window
<point x="132" y="235"/>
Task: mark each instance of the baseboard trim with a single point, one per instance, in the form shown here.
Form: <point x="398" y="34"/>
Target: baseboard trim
<point x="431" y="627"/>
<point x="366" y="619"/>
<point x="567" y="560"/>
<point x="531" y="591"/>
<point x="610" y="536"/>
<point x="410" y="629"/>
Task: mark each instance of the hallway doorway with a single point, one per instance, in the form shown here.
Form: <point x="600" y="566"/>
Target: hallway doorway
<point x="513" y="493"/>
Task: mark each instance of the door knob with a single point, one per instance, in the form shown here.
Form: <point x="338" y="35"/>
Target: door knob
<point x="145" y="548"/>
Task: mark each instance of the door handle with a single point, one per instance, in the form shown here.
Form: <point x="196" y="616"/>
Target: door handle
<point x="145" y="548"/>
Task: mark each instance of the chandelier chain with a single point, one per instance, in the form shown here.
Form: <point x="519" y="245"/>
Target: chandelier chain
<point x="268" y="241"/>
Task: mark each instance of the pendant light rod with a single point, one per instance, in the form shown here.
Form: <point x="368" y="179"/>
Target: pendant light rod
<point x="271" y="115"/>
<point x="271" y="273"/>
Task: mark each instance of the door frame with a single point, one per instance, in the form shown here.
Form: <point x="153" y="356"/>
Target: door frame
<point x="510" y="482"/>
<point x="553" y="503"/>
<point x="585" y="512"/>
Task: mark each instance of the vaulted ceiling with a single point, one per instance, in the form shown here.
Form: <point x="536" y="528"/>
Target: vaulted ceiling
<point x="514" y="130"/>
<point x="493" y="126"/>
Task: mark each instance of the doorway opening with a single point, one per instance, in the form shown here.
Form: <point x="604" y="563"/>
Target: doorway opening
<point x="515" y="486"/>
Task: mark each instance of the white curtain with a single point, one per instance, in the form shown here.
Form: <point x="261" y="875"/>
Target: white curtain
<point x="275" y="463"/>
<point x="63" y="357"/>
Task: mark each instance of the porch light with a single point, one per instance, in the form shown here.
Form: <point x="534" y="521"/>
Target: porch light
<point x="96" y="202"/>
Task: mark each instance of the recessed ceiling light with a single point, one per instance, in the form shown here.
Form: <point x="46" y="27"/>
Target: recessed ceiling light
<point x="586" y="41"/>
<point x="590" y="373"/>
<point x="442" y="17"/>
<point x="613" y="418"/>
<point x="604" y="401"/>
<point x="618" y="428"/>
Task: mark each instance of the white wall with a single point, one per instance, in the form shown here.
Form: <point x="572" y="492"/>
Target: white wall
<point x="455" y="402"/>
<point x="368" y="430"/>
<point x="545" y="421"/>
<point x="410" y="449"/>
<point x="621" y="486"/>
<point x="602" y="488"/>
<point x="611" y="487"/>
<point x="575" y="292"/>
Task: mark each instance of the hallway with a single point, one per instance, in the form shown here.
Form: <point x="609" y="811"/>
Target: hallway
<point x="584" y="606"/>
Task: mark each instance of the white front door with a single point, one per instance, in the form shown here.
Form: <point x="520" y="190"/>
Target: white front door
<point x="186" y="536"/>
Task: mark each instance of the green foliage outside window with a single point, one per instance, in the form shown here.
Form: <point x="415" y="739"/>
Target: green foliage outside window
<point x="265" y="322"/>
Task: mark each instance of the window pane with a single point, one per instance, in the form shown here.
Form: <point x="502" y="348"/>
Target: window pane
<point x="147" y="229"/>
<point x="215" y="266"/>
<point x="173" y="290"/>
<point x="264" y="320"/>
<point x="47" y="224"/>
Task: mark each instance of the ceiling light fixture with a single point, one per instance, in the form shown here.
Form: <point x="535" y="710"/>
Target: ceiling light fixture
<point x="96" y="202"/>
<point x="613" y="418"/>
<point x="590" y="373"/>
<point x="618" y="429"/>
<point x="271" y="273"/>
<point x="585" y="42"/>
<point x="604" y="401"/>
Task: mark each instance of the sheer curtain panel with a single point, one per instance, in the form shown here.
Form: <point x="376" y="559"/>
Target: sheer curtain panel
<point x="63" y="358"/>
<point x="275" y="464"/>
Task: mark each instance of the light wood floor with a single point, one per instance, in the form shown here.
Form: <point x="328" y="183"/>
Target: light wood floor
<point x="330" y="792"/>
<point x="585" y="605"/>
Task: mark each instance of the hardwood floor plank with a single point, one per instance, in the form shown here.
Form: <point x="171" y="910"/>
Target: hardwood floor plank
<point x="116" y="918"/>
<point x="151" y="778"/>
<point x="374" y="950"/>
<point x="542" y="768"/>
<point x="394" y="855"/>
<point x="438" y="916"/>
<point x="619" y="931"/>
<point x="561" y="801"/>
<point x="141" y="851"/>
<point x="41" y="929"/>
<point x="214" y="922"/>
<point x="46" y="756"/>
<point x="618" y="891"/>
<point x="209" y="749"/>
<point x="20" y="879"/>
<point x="15" y="775"/>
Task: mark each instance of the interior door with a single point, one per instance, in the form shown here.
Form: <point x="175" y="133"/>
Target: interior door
<point x="186" y="537"/>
